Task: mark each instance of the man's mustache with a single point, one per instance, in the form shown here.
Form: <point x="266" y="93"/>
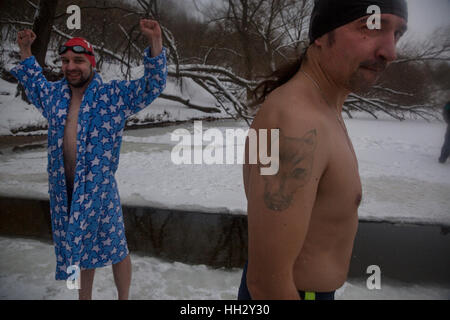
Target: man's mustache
<point x="375" y="65"/>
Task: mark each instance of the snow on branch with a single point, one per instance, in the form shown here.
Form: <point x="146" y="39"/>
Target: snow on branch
<point x="394" y="110"/>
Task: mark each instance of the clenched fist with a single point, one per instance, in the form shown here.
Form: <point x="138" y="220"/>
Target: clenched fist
<point x="25" y="39"/>
<point x="151" y="29"/>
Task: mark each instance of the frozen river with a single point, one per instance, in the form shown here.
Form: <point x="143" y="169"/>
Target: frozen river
<point x="401" y="177"/>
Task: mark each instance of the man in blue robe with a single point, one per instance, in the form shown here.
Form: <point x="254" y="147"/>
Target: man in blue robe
<point x="86" y="119"/>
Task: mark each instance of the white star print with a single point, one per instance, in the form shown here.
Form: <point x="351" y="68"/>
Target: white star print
<point x="104" y="98"/>
<point x="94" y="133"/>
<point x="117" y="119"/>
<point x="95" y="162"/>
<point x="107" y="126"/>
<point x="120" y="102"/>
<point x="90" y="176"/>
<point x="77" y="240"/>
<point x="89" y="148"/>
<point x="106" y="219"/>
<point x="61" y="113"/>
<point x="107" y="154"/>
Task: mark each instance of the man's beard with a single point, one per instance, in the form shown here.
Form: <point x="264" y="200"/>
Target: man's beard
<point x="80" y="83"/>
<point x="358" y="83"/>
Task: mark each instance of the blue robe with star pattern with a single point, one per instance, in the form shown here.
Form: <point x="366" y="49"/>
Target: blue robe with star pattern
<point x="92" y="234"/>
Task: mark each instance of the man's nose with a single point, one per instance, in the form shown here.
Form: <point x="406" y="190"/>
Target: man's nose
<point x="70" y="65"/>
<point x="387" y="49"/>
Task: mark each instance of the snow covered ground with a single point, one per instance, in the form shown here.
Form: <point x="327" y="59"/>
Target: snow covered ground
<point x="27" y="272"/>
<point x="402" y="179"/>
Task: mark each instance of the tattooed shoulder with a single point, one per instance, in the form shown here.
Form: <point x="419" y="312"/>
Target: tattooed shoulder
<point x="296" y="158"/>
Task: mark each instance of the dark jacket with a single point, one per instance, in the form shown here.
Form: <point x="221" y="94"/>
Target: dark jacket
<point x="446" y="112"/>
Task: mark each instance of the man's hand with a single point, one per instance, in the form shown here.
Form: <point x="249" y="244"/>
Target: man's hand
<point x="151" y="29"/>
<point x="25" y="39"/>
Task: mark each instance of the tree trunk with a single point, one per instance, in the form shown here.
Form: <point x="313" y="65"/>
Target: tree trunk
<point x="42" y="27"/>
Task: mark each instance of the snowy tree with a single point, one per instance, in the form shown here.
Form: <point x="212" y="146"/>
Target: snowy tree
<point x="242" y="42"/>
<point x="42" y="27"/>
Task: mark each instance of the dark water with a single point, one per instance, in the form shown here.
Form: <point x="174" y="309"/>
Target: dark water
<point x="409" y="253"/>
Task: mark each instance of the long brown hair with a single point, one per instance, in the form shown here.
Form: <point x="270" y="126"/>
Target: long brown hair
<point x="277" y="79"/>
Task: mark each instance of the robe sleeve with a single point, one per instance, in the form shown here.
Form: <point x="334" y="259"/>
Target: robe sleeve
<point x="137" y="94"/>
<point x="37" y="88"/>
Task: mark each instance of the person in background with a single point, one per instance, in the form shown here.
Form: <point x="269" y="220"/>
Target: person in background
<point x="445" y="153"/>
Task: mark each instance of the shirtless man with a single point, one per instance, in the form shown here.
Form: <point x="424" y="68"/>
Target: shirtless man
<point x="86" y="121"/>
<point x="302" y="221"/>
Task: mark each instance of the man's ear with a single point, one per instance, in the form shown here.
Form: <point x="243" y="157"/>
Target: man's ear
<point x="319" y="42"/>
<point x="327" y="40"/>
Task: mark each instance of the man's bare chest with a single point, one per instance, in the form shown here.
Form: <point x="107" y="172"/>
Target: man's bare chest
<point x="70" y="129"/>
<point x="341" y="180"/>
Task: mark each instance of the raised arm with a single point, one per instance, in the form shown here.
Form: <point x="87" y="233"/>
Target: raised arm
<point x="280" y="208"/>
<point x="135" y="95"/>
<point x="29" y="73"/>
<point x="152" y="31"/>
<point x="25" y="39"/>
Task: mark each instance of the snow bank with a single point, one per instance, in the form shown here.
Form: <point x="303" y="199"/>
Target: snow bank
<point x="27" y="272"/>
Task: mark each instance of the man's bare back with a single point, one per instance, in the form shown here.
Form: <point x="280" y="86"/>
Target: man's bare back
<point x="314" y="149"/>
